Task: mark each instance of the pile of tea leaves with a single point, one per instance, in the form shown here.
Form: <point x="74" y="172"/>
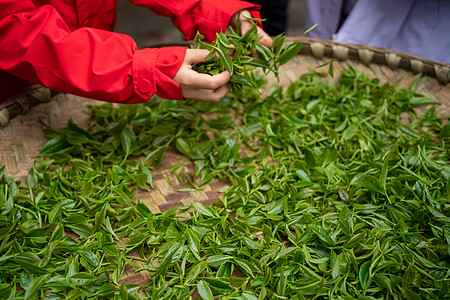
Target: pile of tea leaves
<point x="330" y="196"/>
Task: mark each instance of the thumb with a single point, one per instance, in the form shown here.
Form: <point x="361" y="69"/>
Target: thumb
<point x="195" y="56"/>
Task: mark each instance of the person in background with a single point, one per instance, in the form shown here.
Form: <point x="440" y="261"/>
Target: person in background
<point x="69" y="46"/>
<point x="417" y="27"/>
<point x="275" y="13"/>
<point x="328" y="15"/>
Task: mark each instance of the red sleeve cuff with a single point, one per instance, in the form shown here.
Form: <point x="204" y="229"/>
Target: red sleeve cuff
<point x="153" y="70"/>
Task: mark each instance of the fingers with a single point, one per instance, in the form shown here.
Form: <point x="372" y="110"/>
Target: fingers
<point x="246" y="25"/>
<point x="205" y="94"/>
<point x="189" y="77"/>
<point x="211" y="82"/>
<point x="195" y="56"/>
<point x="265" y="39"/>
<point x="198" y="86"/>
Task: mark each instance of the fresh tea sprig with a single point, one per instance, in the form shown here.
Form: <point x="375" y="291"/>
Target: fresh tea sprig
<point x="232" y="52"/>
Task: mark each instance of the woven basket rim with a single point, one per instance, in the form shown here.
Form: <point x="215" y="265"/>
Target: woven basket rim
<point x="308" y="40"/>
<point x="20" y="103"/>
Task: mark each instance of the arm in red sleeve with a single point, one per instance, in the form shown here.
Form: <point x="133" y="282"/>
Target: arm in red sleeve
<point x="36" y="45"/>
<point x="206" y="16"/>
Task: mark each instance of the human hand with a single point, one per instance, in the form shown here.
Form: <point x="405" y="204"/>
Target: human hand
<point x="247" y="24"/>
<point x="199" y="86"/>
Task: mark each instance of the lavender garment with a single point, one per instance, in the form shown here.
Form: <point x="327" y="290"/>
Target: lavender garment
<point x="328" y="14"/>
<point x="418" y="27"/>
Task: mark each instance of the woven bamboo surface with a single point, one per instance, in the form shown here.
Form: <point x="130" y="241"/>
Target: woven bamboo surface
<point x="22" y="138"/>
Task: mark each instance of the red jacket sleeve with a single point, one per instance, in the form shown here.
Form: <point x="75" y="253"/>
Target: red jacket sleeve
<point x="36" y="45"/>
<point x="206" y="16"/>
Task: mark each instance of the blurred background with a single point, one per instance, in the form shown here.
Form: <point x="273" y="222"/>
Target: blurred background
<point x="148" y="28"/>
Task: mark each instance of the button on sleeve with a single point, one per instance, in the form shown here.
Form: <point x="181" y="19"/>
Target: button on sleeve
<point x="144" y="86"/>
<point x="144" y="72"/>
<point x="153" y="72"/>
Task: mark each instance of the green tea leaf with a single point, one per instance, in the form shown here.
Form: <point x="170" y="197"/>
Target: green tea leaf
<point x="310" y="29"/>
<point x="195" y="271"/>
<point x="128" y="139"/>
<point x="34" y="287"/>
<point x="183" y="147"/>
<point x="372" y="184"/>
<point x="193" y="243"/>
<point x="422" y="101"/>
<point x="291" y="51"/>
<point x="224" y="59"/>
<point x="204" y="210"/>
<point x="218" y="260"/>
<point x="364" y="275"/>
<point x="204" y="291"/>
<point x="323" y="235"/>
<point x="55" y="145"/>
<point x="350" y="132"/>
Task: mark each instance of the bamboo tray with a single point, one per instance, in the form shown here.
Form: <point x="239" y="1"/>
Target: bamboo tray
<point x="23" y="118"/>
